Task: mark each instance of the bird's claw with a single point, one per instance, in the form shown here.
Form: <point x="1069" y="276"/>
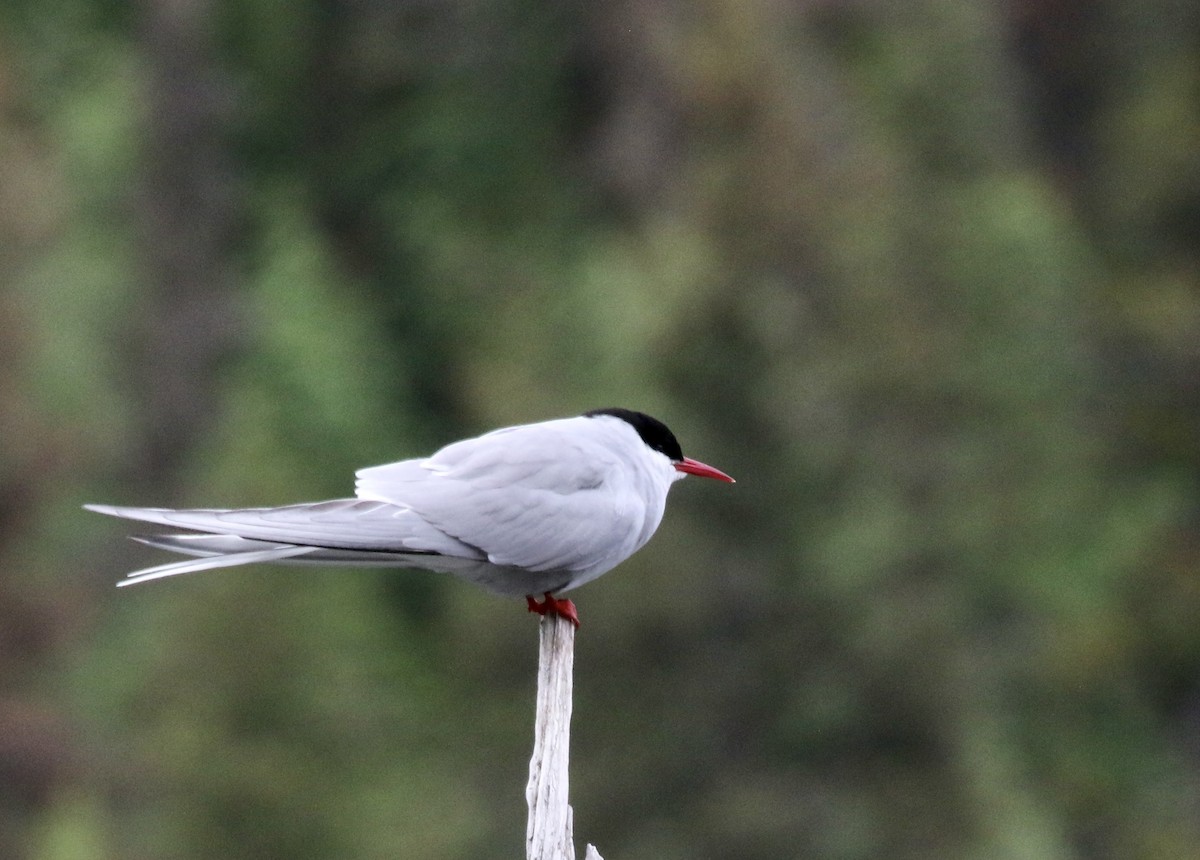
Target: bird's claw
<point x="554" y="606"/>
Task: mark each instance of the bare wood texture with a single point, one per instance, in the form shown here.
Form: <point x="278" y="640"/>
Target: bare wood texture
<point x="548" y="835"/>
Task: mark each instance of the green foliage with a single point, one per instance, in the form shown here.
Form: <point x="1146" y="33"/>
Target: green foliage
<point x="926" y="290"/>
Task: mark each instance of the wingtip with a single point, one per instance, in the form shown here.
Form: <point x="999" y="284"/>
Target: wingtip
<point x="107" y="510"/>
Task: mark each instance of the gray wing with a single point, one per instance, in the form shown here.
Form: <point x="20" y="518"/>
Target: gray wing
<point x="218" y="551"/>
<point x="533" y="497"/>
<point x="337" y="524"/>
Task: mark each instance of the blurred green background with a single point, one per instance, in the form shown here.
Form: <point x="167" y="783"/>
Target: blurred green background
<point x="924" y="275"/>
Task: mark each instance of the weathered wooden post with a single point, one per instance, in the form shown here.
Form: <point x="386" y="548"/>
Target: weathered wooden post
<point x="548" y="834"/>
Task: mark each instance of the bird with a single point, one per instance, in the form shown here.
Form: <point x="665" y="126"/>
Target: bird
<point x="533" y="509"/>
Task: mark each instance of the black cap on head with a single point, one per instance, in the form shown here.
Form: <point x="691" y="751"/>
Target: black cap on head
<point x="654" y="433"/>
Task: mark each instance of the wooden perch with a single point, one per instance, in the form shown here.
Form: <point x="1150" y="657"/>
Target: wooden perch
<point x="548" y="834"/>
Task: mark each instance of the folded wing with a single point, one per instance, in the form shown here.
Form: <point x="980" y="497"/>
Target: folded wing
<point x="219" y="551"/>
<point x="538" y="497"/>
<point x="336" y="524"/>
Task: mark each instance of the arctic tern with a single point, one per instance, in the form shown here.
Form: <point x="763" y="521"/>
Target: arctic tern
<point x="533" y="509"/>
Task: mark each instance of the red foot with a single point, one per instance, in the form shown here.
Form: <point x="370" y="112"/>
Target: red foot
<point x="552" y="605"/>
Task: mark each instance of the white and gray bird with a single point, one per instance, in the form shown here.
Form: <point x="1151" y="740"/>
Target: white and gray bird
<point x="527" y="510"/>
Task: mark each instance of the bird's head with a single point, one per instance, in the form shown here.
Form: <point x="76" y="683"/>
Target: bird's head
<point x="658" y="437"/>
